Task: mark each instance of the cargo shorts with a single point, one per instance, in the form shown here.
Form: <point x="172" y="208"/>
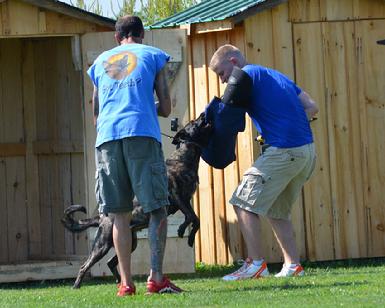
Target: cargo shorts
<point x="272" y="185"/>
<point x="130" y="167"/>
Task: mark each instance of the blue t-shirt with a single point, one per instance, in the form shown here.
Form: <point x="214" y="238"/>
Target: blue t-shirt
<point x="276" y="109"/>
<point x="125" y="77"/>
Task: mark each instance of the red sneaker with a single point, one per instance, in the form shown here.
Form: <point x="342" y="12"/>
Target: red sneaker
<point x="166" y="286"/>
<point x="126" y="290"/>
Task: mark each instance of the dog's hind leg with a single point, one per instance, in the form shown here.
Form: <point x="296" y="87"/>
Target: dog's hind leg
<point x="113" y="262"/>
<point x="102" y="244"/>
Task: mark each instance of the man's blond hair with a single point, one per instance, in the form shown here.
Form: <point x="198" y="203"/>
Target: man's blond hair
<point x="225" y="52"/>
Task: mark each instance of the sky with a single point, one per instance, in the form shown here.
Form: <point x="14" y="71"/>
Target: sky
<point x="106" y="5"/>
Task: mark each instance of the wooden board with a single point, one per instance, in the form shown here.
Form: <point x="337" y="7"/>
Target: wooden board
<point x="58" y="136"/>
<point x="32" y="184"/>
<point x="304" y="10"/>
<point x="260" y="49"/>
<point x="372" y="120"/>
<point x="45" y="270"/>
<point x="3" y="198"/>
<point x="331" y="10"/>
<point x="206" y="209"/>
<point x="20" y="19"/>
<point x="344" y="147"/>
<point x="219" y="201"/>
<point x="317" y="192"/>
<point x="231" y="180"/>
<point x="13" y="131"/>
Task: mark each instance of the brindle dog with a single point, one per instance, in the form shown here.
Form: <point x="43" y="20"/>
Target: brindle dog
<point x="182" y="172"/>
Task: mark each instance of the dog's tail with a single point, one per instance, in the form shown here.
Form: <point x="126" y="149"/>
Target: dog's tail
<point x="78" y="225"/>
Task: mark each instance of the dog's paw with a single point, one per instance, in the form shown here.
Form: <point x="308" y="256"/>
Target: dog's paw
<point x="181" y="232"/>
<point x="191" y="239"/>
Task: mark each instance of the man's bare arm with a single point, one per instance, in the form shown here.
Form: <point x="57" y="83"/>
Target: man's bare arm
<point x="310" y="106"/>
<point x="162" y="92"/>
<point x="95" y="104"/>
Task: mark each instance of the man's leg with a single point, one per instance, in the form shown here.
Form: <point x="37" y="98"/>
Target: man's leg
<point x="283" y="231"/>
<point x="250" y="225"/>
<point x="157" y="235"/>
<point x="122" y="242"/>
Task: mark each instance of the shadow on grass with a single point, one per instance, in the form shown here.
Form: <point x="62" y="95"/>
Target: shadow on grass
<point x="285" y="286"/>
<point x="351" y="263"/>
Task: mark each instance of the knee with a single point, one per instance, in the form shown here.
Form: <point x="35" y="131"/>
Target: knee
<point x="159" y="214"/>
<point x="122" y="217"/>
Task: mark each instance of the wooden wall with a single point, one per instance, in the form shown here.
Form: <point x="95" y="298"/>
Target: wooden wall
<point x="219" y="239"/>
<point x="341" y="212"/>
<point x="41" y="149"/>
<point x="18" y="18"/>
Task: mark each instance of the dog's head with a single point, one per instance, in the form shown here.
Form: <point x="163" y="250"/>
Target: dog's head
<point x="196" y="131"/>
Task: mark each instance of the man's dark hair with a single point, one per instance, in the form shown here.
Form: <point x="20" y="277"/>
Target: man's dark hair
<point x="127" y="26"/>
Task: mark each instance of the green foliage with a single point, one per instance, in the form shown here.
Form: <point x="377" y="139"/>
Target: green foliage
<point x="93" y="7"/>
<point x="352" y="283"/>
<point x="150" y="11"/>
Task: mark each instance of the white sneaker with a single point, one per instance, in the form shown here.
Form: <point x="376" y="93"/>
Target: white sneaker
<point x="248" y="270"/>
<point x="291" y="271"/>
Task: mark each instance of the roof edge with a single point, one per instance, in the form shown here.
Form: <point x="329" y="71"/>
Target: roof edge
<point x="235" y="18"/>
<point x="256" y="9"/>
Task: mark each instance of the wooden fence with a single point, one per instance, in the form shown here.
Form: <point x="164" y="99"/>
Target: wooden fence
<point x="330" y="51"/>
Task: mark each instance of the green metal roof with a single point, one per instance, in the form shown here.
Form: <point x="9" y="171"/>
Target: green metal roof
<point x="208" y="10"/>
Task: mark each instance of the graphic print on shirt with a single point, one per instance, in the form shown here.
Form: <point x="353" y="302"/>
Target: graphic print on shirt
<point x="119" y="66"/>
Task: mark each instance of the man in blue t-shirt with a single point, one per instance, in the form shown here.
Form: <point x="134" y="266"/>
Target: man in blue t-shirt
<point x="129" y="157"/>
<point x="281" y="111"/>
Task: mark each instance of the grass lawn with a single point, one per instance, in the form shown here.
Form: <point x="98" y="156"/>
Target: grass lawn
<point x="341" y="283"/>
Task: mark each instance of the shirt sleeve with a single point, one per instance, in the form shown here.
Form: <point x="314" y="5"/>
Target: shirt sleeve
<point x="297" y="89"/>
<point x="91" y="74"/>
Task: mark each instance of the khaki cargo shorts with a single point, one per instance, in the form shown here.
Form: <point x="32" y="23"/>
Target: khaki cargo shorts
<point x="274" y="182"/>
<point x="130" y="167"/>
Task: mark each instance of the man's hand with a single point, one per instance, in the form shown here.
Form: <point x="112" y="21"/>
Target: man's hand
<point x="162" y="92"/>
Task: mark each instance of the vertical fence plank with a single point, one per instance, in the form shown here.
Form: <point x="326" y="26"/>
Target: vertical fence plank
<point x="282" y="36"/>
<point x="260" y="50"/>
<point x="301" y="11"/>
<point x="44" y="131"/>
<point x="336" y="10"/>
<point x="205" y="173"/>
<point x="3" y="198"/>
<point x="15" y="166"/>
<point x="231" y="179"/>
<point x="344" y="146"/>
<point x="195" y="200"/>
<point x="372" y="117"/>
<point x="32" y="175"/>
<point x="219" y="202"/>
<point x="317" y="195"/>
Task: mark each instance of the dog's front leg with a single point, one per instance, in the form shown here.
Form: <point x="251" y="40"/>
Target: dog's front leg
<point x="113" y="262"/>
<point x="190" y="217"/>
<point x="194" y="230"/>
